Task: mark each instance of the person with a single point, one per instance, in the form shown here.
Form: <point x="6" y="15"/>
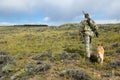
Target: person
<point x="89" y="29"/>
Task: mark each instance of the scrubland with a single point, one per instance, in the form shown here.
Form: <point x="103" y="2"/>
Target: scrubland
<point x="57" y="53"/>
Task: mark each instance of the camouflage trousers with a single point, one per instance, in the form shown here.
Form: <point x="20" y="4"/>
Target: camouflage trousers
<point x="88" y="42"/>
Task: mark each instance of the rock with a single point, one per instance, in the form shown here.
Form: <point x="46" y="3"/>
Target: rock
<point x="74" y="74"/>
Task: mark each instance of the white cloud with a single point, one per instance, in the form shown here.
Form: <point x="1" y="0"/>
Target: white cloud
<point x="107" y="21"/>
<point x="6" y="23"/>
<point x="17" y="5"/>
<point x="62" y="10"/>
<point x="46" y="19"/>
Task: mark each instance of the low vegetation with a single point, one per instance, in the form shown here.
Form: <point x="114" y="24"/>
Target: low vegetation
<point x="57" y="53"/>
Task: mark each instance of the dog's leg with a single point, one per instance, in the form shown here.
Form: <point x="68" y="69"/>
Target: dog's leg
<point x="101" y="56"/>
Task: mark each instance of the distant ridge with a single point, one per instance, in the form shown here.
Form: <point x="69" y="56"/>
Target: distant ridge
<point x="32" y="25"/>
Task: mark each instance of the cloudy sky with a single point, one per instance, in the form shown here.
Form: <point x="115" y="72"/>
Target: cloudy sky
<point x="54" y="12"/>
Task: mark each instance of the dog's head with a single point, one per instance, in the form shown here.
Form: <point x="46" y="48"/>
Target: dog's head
<point x="100" y="44"/>
<point x="100" y="48"/>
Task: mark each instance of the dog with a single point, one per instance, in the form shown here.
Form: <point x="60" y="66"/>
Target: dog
<point x="100" y="53"/>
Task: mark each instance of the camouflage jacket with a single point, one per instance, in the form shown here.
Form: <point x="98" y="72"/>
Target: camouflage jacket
<point x="85" y="26"/>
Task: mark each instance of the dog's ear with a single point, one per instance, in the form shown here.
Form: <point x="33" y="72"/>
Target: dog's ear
<point x="101" y="44"/>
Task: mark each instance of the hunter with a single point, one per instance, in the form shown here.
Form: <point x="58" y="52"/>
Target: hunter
<point x="89" y="29"/>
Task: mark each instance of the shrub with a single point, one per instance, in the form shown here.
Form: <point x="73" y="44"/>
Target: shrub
<point x="118" y="51"/>
<point x="74" y="56"/>
<point x="63" y="55"/>
<point x="114" y="64"/>
<point x="115" y="45"/>
<point x="29" y="68"/>
<point x="43" y="67"/>
<point x="43" y="56"/>
<point x="8" y="68"/>
<point x="74" y="74"/>
<point x="3" y="53"/>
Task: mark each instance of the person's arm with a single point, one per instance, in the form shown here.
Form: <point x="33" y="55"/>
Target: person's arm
<point x="82" y="24"/>
<point x="95" y="28"/>
<point x="95" y="25"/>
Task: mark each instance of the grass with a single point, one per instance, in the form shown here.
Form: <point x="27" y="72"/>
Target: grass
<point x="24" y="42"/>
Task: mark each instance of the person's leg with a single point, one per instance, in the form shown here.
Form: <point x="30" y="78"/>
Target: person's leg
<point x="87" y="45"/>
<point x="90" y="45"/>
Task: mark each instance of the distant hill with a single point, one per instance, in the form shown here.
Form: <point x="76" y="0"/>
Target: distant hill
<point x="32" y="25"/>
<point x="69" y="25"/>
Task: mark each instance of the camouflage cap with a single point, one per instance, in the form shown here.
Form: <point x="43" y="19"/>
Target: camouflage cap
<point x="86" y="15"/>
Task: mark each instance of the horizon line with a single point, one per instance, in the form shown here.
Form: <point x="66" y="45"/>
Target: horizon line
<point x="56" y="24"/>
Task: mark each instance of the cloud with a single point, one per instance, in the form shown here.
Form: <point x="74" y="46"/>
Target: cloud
<point x="6" y="23"/>
<point x="17" y="5"/>
<point x="46" y="19"/>
<point x="61" y="10"/>
<point x="107" y="21"/>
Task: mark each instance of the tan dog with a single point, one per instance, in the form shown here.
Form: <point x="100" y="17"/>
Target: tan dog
<point x="100" y="53"/>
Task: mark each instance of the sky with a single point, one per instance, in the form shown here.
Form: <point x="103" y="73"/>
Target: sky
<point x="56" y="12"/>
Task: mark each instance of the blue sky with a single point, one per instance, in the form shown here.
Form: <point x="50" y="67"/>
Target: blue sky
<point x="55" y="12"/>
